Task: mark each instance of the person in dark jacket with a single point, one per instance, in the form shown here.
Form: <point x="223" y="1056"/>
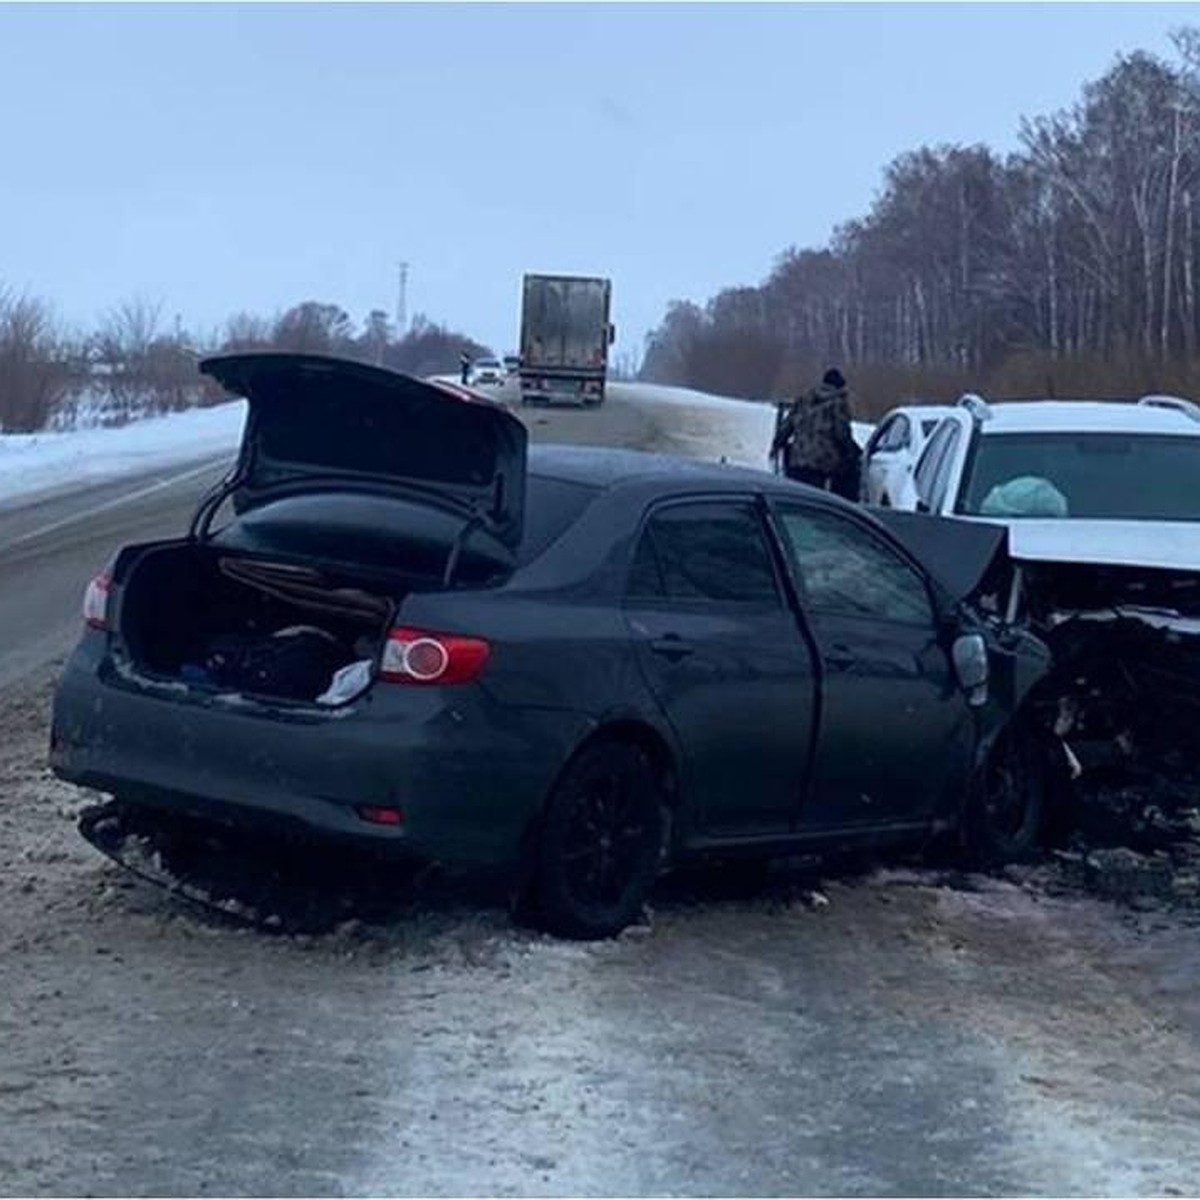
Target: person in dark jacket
<point x="464" y="367"/>
<point x="816" y="438"/>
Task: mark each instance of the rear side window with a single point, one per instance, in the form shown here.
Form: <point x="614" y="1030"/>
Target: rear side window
<point x="711" y="551"/>
<point x="552" y="506"/>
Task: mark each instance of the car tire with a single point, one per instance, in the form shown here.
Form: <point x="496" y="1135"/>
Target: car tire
<point x="600" y="843"/>
<point x="1007" y="811"/>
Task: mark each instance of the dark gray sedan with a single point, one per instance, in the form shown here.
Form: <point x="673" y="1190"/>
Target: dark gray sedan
<point x="583" y="664"/>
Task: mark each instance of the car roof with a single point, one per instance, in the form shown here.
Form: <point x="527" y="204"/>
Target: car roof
<point x="917" y="409"/>
<point x="604" y="467"/>
<point x="1086" y="416"/>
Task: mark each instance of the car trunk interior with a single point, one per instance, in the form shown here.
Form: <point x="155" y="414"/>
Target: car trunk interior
<point x="257" y="627"/>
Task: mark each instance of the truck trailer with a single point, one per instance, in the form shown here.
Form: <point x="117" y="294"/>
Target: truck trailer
<point x="566" y="331"/>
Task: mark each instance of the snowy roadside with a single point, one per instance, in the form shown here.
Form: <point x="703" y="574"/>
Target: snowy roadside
<point x="741" y="430"/>
<point x="39" y="463"/>
<point x="35" y="463"/>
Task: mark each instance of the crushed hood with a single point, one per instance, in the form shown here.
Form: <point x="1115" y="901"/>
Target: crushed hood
<point x="318" y="422"/>
<point x="1163" y="545"/>
<point x="959" y="555"/>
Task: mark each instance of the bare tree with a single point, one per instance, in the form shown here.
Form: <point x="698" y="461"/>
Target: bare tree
<point x="315" y="329"/>
<point x="1072" y="264"/>
<point x="34" y="373"/>
<point x="246" y="331"/>
<point x="142" y="368"/>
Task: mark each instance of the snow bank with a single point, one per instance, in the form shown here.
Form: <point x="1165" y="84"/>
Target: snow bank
<point x="712" y="426"/>
<point x="31" y="463"/>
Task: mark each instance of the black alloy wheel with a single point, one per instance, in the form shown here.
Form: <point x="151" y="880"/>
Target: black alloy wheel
<point x="600" y="843"/>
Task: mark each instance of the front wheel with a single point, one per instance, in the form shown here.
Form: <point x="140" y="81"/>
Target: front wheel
<point x="600" y="843"/>
<point x="1007" y="810"/>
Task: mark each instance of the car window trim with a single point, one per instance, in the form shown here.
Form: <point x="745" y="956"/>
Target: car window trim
<point x="756" y="502"/>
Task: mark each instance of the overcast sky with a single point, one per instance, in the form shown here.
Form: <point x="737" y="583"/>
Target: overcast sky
<point x="225" y="157"/>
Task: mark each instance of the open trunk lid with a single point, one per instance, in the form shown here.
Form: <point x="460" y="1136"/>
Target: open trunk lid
<point x="316" y="422"/>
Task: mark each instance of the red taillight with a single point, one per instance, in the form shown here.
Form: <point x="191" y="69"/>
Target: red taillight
<point x="415" y="657"/>
<point x="381" y="816"/>
<point x="95" y="602"/>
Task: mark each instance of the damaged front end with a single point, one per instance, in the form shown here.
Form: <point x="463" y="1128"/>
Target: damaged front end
<point x="1123" y="695"/>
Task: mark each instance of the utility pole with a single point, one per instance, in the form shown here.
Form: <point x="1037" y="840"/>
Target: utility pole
<point x="402" y="302"/>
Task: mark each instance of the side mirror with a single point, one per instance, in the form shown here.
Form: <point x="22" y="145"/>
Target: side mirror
<point x="970" y="654"/>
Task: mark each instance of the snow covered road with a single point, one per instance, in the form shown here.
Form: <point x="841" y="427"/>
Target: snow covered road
<point x="899" y="1033"/>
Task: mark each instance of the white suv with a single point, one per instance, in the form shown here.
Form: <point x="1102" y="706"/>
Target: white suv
<point x="1082" y="481"/>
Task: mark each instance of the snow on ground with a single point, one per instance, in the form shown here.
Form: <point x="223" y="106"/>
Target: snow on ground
<point x="741" y="430"/>
<point x="33" y="463"/>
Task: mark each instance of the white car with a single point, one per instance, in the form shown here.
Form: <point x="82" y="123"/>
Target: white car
<point x="1123" y="473"/>
<point x="486" y="370"/>
<point x="891" y="454"/>
<point x="1099" y="507"/>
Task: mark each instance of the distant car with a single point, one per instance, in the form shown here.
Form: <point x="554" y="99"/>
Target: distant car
<point x="891" y="453"/>
<point x="584" y="664"/>
<point x="512" y="364"/>
<point x="486" y="371"/>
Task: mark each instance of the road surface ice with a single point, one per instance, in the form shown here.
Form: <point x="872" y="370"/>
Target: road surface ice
<point x="898" y="1032"/>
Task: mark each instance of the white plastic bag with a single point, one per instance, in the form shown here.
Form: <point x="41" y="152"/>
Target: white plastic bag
<point x="347" y="683"/>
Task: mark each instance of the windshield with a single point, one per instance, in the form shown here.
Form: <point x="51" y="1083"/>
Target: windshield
<point x="1092" y="475"/>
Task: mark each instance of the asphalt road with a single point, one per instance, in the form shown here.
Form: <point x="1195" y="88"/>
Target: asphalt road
<point x="897" y="1033"/>
<point x="50" y="548"/>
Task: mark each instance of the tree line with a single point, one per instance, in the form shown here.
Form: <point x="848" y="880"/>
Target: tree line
<point x="1069" y="267"/>
<point x="134" y="363"/>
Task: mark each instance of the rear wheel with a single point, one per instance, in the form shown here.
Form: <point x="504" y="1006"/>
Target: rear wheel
<point x="600" y="843"/>
<point x="1007" y="811"/>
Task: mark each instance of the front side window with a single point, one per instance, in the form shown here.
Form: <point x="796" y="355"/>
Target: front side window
<point x="707" y="551"/>
<point x="848" y="571"/>
<point x="898" y="434"/>
<point x="931" y="460"/>
<point x="945" y="467"/>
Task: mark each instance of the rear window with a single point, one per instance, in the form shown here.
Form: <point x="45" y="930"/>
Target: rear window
<point x="552" y="506"/>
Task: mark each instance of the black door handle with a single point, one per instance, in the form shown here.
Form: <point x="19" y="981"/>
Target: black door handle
<point x="672" y="646"/>
<point x="840" y="657"/>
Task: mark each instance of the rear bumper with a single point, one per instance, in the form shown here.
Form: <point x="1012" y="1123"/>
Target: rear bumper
<point x="467" y="776"/>
<point x="581" y="389"/>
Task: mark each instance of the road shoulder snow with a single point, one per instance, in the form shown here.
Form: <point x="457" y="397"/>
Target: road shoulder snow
<point x="38" y="464"/>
